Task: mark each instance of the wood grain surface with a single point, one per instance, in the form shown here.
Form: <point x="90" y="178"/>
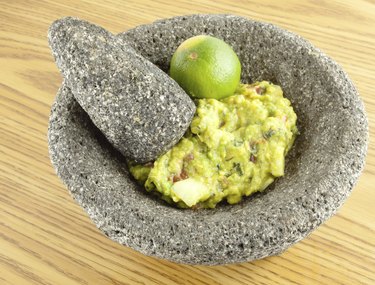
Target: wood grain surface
<point x="46" y="238"/>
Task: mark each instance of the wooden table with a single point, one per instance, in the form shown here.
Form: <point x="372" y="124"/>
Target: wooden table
<point x="46" y="238"/>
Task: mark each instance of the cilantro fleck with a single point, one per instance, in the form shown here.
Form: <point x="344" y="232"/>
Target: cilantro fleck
<point x="269" y="134"/>
<point x="253" y="146"/>
<point x="237" y="168"/>
<point x="238" y="143"/>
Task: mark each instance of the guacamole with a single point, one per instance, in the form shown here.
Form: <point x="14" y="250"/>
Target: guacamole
<point x="235" y="146"/>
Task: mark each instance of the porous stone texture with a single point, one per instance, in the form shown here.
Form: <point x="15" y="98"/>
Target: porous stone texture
<point x="321" y="169"/>
<point x="141" y="110"/>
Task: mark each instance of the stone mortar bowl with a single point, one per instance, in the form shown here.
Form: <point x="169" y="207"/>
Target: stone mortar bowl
<point x="321" y="169"/>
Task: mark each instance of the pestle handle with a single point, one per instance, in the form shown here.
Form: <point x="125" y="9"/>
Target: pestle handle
<point x="139" y="108"/>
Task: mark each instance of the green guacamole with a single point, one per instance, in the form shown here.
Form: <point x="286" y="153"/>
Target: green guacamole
<point x="235" y="146"/>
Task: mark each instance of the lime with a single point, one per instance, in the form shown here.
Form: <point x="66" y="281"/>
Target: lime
<point x="206" y="67"/>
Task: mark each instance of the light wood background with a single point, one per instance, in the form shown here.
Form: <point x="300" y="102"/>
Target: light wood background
<point x="46" y="238"/>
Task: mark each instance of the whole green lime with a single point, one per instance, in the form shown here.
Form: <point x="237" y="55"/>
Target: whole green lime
<point x="206" y="67"/>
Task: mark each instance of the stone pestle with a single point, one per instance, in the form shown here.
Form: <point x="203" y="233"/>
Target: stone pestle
<point x="139" y="108"/>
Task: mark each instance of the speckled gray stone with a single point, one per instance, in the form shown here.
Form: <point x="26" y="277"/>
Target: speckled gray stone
<point x="141" y="110"/>
<point x="321" y="169"/>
